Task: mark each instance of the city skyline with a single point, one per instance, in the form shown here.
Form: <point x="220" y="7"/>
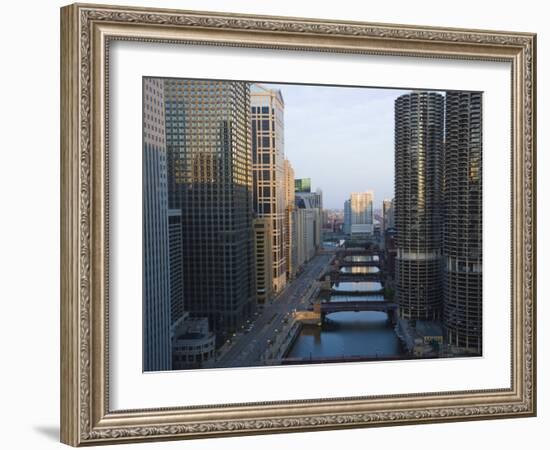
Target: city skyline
<point x="244" y="260"/>
<point x="359" y="123"/>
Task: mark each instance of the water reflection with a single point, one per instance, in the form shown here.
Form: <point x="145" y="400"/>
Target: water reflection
<point x="348" y="334"/>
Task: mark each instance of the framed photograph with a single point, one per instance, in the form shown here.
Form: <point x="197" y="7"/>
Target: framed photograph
<point x="276" y="224"/>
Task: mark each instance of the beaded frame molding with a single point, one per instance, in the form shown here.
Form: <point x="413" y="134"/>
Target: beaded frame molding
<point x="86" y="32"/>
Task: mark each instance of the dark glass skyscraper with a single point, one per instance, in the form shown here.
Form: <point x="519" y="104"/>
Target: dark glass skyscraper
<point x="156" y="269"/>
<point x="462" y="237"/>
<point x="210" y="180"/>
<point x="419" y="129"/>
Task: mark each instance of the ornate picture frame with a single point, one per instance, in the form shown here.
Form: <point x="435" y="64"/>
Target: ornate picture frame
<point x="86" y="33"/>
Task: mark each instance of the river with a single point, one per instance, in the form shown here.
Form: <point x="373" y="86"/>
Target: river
<point x="349" y="334"/>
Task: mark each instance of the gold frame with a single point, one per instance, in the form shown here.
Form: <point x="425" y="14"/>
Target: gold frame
<point x="86" y="31"/>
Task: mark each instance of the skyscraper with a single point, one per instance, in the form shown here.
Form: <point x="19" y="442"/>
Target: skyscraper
<point x="419" y="129"/>
<point x="290" y="238"/>
<point x="267" y="108"/>
<point x="462" y="236"/>
<point x="362" y="212"/>
<point x="210" y="181"/>
<point x="156" y="282"/>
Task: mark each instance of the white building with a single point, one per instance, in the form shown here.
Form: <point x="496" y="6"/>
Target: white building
<point x="362" y="212"/>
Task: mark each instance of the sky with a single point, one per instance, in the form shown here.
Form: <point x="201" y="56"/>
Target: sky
<point x="341" y="138"/>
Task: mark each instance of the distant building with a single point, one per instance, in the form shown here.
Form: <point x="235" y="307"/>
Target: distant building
<point x="347" y="217"/>
<point x="156" y="273"/>
<point x="290" y="216"/>
<point x="387" y="215"/>
<point x="362" y="213"/>
<point x="267" y="107"/>
<point x="302" y="185"/>
<point x="309" y="199"/>
<point x="308" y="222"/>
<point x="462" y="235"/>
<point x="210" y="181"/>
<point x="264" y="260"/>
<point x="419" y="126"/>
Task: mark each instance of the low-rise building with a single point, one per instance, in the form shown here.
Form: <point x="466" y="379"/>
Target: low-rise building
<point x="193" y="343"/>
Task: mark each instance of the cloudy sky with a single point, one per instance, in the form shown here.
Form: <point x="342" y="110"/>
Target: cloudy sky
<point x="341" y="138"/>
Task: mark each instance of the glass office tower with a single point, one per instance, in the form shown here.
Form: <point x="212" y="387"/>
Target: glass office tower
<point x="210" y="181"/>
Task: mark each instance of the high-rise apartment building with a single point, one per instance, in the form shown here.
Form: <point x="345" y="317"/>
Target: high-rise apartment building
<point x="267" y="108"/>
<point x="362" y="213"/>
<point x="462" y="236"/>
<point x="419" y="125"/>
<point x="210" y="181"/>
<point x="156" y="282"/>
<point x="290" y="237"/>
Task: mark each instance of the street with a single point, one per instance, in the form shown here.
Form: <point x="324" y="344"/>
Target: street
<point x="247" y="348"/>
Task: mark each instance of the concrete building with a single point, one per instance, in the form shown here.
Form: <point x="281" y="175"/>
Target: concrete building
<point x="290" y="241"/>
<point x="267" y="108"/>
<point x="308" y="233"/>
<point x="462" y="235"/>
<point x="264" y="260"/>
<point x="156" y="282"/>
<point x="419" y="130"/>
<point x="193" y="344"/>
<point x="309" y="199"/>
<point x="362" y="213"/>
<point x="309" y="224"/>
<point x="210" y="180"/>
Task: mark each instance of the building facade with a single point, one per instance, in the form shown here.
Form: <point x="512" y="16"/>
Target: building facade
<point x="462" y="236"/>
<point x="309" y="225"/>
<point x="175" y="250"/>
<point x="267" y="108"/>
<point x="210" y="180"/>
<point x="290" y="241"/>
<point x="419" y="128"/>
<point x="156" y="274"/>
<point x="387" y="215"/>
<point x="309" y="199"/>
<point x="302" y="184"/>
<point x="194" y="344"/>
<point x="264" y="259"/>
<point x="362" y="213"/>
<point x="347" y="217"/>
